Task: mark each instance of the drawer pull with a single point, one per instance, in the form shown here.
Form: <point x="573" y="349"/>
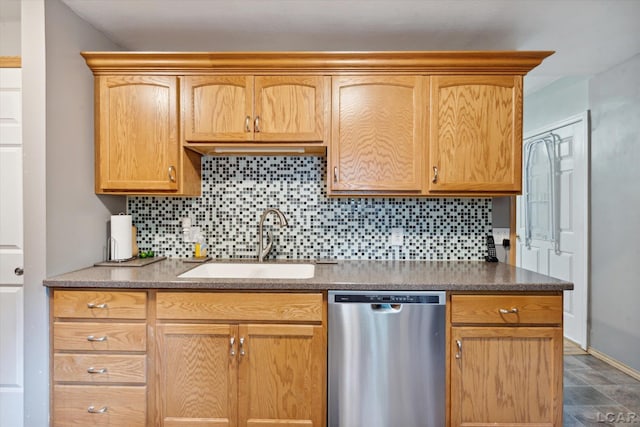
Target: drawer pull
<point x="93" y="410"/>
<point x="459" y="353"/>
<point x="93" y="370"/>
<point x="93" y="305"/>
<point x="242" y="346"/>
<point x="509" y="311"/>
<point x="96" y="339"/>
<point x="232" y="344"/>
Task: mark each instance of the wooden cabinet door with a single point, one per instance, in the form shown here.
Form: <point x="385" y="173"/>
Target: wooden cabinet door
<point x="218" y="108"/>
<point x="291" y="108"/>
<point x="506" y="376"/>
<point x="476" y="134"/>
<point x="377" y="134"/>
<point x="197" y="375"/>
<point x="282" y="376"/>
<point x="138" y="143"/>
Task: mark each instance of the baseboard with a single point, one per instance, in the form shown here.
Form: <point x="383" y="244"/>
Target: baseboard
<point x="613" y="362"/>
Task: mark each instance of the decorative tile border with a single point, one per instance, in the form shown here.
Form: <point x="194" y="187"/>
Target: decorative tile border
<point x="236" y="190"/>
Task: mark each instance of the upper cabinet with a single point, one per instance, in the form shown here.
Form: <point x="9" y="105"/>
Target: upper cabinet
<point x="292" y="108"/>
<point x="377" y="134"/>
<point x="138" y="147"/>
<point x="390" y="123"/>
<point x="476" y="134"/>
<point x="256" y="108"/>
<point x="218" y="108"/>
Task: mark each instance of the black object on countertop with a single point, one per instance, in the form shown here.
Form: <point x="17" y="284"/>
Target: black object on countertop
<point x="491" y="250"/>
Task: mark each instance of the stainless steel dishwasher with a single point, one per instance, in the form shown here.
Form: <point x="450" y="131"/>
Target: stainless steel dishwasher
<point x="386" y="359"/>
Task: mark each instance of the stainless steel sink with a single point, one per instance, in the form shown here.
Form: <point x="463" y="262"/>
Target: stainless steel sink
<point x="241" y="270"/>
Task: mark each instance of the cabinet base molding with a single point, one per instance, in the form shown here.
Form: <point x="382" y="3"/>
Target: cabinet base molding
<point x="613" y="362"/>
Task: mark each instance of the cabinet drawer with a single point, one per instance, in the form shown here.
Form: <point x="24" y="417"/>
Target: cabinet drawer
<point x="229" y="306"/>
<point x="506" y="309"/>
<point x="122" y="406"/>
<point x="100" y="305"/>
<point x="101" y="368"/>
<point x="99" y="336"/>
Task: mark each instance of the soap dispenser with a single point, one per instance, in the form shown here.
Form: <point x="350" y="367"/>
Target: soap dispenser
<point x="199" y="247"/>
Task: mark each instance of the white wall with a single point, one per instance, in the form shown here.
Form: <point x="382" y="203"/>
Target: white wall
<point x="10" y="38"/>
<point x="562" y="99"/>
<point x="36" y="317"/>
<point x="614" y="100"/>
<point x="65" y="222"/>
<point x="76" y="217"/>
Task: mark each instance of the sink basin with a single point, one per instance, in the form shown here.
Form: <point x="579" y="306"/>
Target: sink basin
<point x="238" y="270"/>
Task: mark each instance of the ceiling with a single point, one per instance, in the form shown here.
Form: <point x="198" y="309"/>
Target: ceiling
<point x="589" y="36"/>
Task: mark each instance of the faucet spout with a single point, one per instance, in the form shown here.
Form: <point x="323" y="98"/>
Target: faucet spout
<point x="263" y="250"/>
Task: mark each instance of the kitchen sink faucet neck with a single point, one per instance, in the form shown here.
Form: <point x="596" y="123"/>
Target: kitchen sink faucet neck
<point x="263" y="250"/>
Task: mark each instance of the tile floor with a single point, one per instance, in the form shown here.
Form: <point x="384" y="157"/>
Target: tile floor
<point x="597" y="394"/>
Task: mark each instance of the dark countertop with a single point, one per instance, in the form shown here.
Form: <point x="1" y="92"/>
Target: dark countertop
<point x="476" y="276"/>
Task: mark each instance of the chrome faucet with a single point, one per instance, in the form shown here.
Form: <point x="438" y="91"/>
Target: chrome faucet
<point x="263" y="251"/>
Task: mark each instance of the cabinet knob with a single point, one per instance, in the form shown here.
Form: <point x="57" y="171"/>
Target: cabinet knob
<point x="435" y="174"/>
<point x="172" y="173"/>
<point x="18" y="271"/>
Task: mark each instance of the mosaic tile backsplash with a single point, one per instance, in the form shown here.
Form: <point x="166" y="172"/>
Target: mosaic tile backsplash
<point x="236" y="190"/>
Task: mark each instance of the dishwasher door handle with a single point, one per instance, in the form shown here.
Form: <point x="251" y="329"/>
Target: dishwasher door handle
<point x="386" y="308"/>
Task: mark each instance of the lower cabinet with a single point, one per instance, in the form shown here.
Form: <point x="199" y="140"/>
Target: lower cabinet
<point x="99" y="358"/>
<point x="197" y="375"/>
<point x="258" y="359"/>
<point x="505" y="369"/>
<point x="230" y="372"/>
<point x="281" y="376"/>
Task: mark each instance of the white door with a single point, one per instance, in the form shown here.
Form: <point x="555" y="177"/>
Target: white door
<point x="11" y="305"/>
<point x="552" y="214"/>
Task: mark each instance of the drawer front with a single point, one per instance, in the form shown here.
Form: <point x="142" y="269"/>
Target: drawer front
<point x="99" y="336"/>
<point x="100" y="368"/>
<point x="99" y="304"/>
<point x="121" y="406"/>
<point x="507" y="309"/>
<point x="228" y="306"/>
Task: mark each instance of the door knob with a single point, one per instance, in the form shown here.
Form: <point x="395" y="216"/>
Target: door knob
<point x="18" y="271"/>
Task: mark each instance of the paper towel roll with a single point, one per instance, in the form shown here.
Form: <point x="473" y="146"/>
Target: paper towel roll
<point x="120" y="237"/>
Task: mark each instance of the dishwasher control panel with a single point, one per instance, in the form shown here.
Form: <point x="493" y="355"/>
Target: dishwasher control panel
<point x="374" y="298"/>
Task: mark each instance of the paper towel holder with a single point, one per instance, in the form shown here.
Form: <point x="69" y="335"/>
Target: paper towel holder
<point x="111" y="241"/>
